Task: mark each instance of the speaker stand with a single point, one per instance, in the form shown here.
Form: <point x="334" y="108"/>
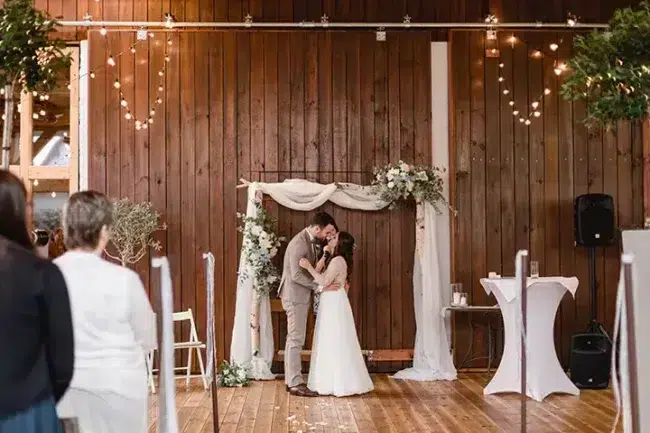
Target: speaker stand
<point x="594" y="326"/>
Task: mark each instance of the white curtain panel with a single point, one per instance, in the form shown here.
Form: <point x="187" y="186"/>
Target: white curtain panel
<point x="432" y="358"/>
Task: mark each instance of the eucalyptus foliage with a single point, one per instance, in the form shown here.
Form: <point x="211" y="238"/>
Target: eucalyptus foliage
<point x="610" y="69"/>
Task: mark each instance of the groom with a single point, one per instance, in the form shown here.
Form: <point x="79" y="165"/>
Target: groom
<point x="295" y="291"/>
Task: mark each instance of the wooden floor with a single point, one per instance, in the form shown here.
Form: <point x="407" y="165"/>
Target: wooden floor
<point x="394" y="406"/>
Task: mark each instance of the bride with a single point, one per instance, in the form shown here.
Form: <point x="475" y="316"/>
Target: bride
<point x="337" y="366"/>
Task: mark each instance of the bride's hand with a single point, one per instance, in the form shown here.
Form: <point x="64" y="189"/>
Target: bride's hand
<point x="304" y="263"/>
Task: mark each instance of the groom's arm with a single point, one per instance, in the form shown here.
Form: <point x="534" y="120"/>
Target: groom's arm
<point x="298" y="274"/>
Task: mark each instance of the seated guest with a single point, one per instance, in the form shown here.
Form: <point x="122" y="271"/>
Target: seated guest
<point x="36" y="341"/>
<point x="113" y="322"/>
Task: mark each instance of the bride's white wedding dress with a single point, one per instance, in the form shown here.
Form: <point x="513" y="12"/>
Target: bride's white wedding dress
<point x="337" y="366"/>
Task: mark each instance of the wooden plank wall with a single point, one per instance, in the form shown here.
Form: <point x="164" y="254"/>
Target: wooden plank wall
<point x="515" y="184"/>
<point x="266" y="107"/>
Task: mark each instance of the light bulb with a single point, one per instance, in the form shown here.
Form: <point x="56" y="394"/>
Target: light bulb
<point x="35" y="115"/>
<point x="138" y="127"/>
<point x="42" y="113"/>
<point x="144" y="126"/>
<point x="35" y="182"/>
<point x="35" y="93"/>
<point x="547" y="91"/>
<point x="169" y="41"/>
<point x="117" y="84"/>
<point x="160" y="88"/>
<point x="150" y="120"/>
<point x="111" y="61"/>
<point x="553" y="46"/>
<point x="4" y="117"/>
<point x="506" y="91"/>
<point x="161" y="73"/>
<point x="537" y="54"/>
<point x="500" y="79"/>
<point x="535" y="104"/>
<point x="152" y="112"/>
<point x="167" y="59"/>
<point x="512" y="39"/>
<point x="69" y="86"/>
<point x="527" y="122"/>
<point x="159" y="101"/>
<point x="128" y="116"/>
<point x="92" y="75"/>
<point x="103" y="31"/>
<point x="571" y="22"/>
<point x="515" y="113"/>
<point x="123" y="102"/>
<point x="557" y="71"/>
<point x="501" y="65"/>
<point x="133" y="50"/>
<point x="511" y="103"/>
<point x="53" y="194"/>
<point x="537" y="113"/>
<point x="521" y="120"/>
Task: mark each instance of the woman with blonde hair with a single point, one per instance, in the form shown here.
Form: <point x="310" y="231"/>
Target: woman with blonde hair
<point x="113" y="322"/>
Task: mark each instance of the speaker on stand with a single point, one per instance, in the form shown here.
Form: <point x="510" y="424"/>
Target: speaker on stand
<point x="590" y="358"/>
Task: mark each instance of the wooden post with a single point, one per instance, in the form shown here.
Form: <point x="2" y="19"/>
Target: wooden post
<point x="27" y="149"/>
<point x="631" y="343"/>
<point x="524" y="319"/>
<point x="74" y="123"/>
<point x="645" y="136"/>
<point x="7" y="131"/>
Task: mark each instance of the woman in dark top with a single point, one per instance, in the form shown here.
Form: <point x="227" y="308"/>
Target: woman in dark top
<point x="36" y="341"/>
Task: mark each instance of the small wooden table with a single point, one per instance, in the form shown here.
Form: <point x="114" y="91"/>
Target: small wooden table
<point x="491" y="331"/>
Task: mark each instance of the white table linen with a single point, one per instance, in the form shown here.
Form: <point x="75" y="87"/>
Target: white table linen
<point x="544" y="374"/>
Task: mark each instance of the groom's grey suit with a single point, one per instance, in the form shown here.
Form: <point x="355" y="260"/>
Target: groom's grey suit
<point x="295" y="291"/>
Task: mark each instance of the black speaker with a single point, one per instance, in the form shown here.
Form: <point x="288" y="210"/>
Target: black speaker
<point x="594" y="220"/>
<point x="590" y="361"/>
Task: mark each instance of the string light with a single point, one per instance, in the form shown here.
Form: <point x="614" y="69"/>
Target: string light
<point x="111" y="61"/>
<point x="132" y="50"/>
<point x="527" y="122"/>
<point x="512" y="39"/>
<point x="511" y="103"/>
<point x="506" y="91"/>
<point x="92" y="75"/>
<point x="537" y="54"/>
<point x="535" y="105"/>
<point x="103" y="31"/>
<point x="35" y="182"/>
<point x="537" y="113"/>
<point x="572" y="20"/>
<point x="547" y="91"/>
<point x="117" y="84"/>
<point x="123" y="102"/>
<point x="553" y="46"/>
<point x="128" y="116"/>
<point x="53" y="194"/>
<point x="169" y="21"/>
<point x="42" y="113"/>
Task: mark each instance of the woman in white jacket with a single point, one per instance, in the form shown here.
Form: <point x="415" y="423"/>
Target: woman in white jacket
<point x="114" y="325"/>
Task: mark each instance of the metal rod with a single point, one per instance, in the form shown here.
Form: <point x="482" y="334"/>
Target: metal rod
<point x="631" y="342"/>
<point x="524" y="319"/>
<point x="328" y="26"/>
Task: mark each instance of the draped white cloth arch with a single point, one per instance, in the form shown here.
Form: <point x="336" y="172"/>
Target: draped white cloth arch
<point x="432" y="358"/>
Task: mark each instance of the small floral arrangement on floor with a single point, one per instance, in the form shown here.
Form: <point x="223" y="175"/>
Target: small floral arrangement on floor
<point x="395" y="182"/>
<point x="233" y="375"/>
<point x="261" y="245"/>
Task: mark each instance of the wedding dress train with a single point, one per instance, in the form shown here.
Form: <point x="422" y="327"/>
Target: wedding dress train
<point x="337" y="366"/>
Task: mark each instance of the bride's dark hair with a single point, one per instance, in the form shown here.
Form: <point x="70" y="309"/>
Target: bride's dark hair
<point x="345" y="249"/>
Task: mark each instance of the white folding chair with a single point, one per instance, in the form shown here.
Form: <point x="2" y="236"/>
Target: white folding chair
<point x="193" y="344"/>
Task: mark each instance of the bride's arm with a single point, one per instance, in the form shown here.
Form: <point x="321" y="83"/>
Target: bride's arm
<point x="326" y="278"/>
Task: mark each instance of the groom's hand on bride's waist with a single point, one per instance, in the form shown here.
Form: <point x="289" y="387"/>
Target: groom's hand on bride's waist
<point x="332" y="287"/>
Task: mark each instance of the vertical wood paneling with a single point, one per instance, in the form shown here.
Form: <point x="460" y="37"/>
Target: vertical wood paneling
<point x="543" y="167"/>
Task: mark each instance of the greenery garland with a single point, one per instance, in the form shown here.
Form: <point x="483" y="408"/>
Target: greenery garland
<point x="261" y="245"/>
<point x="610" y="70"/>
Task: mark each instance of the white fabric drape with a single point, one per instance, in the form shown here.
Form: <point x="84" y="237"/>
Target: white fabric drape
<point x="209" y="283"/>
<point x="167" y="416"/>
<point x="432" y="358"/>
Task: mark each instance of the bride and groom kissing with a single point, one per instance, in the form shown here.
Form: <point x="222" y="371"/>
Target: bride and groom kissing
<point x="318" y="261"/>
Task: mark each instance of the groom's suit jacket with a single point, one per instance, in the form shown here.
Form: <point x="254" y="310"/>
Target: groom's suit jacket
<point x="297" y="284"/>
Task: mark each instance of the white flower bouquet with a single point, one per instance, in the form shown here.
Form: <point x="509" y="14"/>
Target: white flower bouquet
<point x="233" y="375"/>
<point x="261" y="245"/>
<point x="395" y="182"/>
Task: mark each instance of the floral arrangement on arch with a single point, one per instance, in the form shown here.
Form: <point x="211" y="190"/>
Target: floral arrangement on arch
<point x="396" y="182"/>
<point x="261" y="245"/>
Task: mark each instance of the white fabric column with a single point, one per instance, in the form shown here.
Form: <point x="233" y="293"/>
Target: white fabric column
<point x="167" y="416"/>
<point x="209" y="327"/>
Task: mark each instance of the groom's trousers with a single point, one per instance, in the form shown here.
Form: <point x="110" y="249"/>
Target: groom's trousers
<point x="296" y="333"/>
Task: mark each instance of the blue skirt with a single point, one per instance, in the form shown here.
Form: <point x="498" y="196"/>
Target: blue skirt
<point x="40" y="418"/>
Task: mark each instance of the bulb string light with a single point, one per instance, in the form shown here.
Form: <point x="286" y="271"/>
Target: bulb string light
<point x="143" y="123"/>
<point x="525" y="116"/>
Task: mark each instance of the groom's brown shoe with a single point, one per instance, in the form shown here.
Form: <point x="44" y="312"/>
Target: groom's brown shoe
<point x="302" y="391"/>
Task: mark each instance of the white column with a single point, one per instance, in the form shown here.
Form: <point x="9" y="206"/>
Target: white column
<point x="84" y="82"/>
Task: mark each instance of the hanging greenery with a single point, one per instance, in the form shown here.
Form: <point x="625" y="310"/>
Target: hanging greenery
<point x="30" y="58"/>
<point x="610" y="70"/>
